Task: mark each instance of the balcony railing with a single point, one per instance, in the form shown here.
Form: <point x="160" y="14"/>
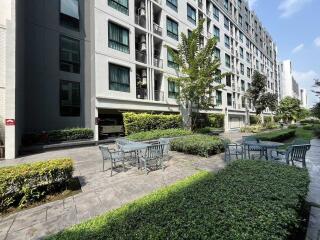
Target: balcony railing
<point x="142" y="93"/>
<point x="157" y="62"/>
<point x="141" y="57"/>
<point x="158" y="96"/>
<point x="140" y="20"/>
<point x="157" y="29"/>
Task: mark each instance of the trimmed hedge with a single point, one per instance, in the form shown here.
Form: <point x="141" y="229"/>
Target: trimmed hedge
<point x="310" y="121"/>
<point x="292" y="126"/>
<point x="139" y="122"/>
<point x="155" y="134"/>
<point x="248" y="200"/>
<point x="202" y="145"/>
<point x="26" y="183"/>
<point x="267" y="119"/>
<point x="209" y="130"/>
<point x="252" y="129"/>
<point x="308" y="127"/>
<point x="216" y="120"/>
<point x="254" y="119"/>
<point x="277" y="136"/>
<point x="55" y="136"/>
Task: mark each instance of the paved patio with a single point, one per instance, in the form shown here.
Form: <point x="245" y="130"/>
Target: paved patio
<point x="101" y="192"/>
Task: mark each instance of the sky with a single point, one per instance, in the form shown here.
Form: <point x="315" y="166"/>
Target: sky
<point x="295" y="27"/>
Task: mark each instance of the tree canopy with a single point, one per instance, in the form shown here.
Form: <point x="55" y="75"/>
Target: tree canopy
<point x="289" y="109"/>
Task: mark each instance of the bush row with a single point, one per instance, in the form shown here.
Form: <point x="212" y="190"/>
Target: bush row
<point x="310" y="121"/>
<point x="57" y="136"/>
<point x="248" y="200"/>
<point x="202" y="145"/>
<point x="156" y="134"/>
<point x="139" y="122"/>
<point x="203" y="120"/>
<point x="26" y="183"/>
<point x="277" y="136"/>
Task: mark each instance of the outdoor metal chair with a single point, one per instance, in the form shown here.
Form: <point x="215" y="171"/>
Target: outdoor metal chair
<point x="113" y="156"/>
<point x="153" y="157"/>
<point x="166" y="149"/>
<point x="298" y="141"/>
<point x="251" y="148"/>
<point x="233" y="149"/>
<point x="295" y="153"/>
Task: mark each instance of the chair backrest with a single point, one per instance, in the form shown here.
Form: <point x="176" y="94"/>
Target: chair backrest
<point x="300" y="141"/>
<point x="249" y="139"/>
<point x="298" y="153"/>
<point x="122" y="141"/>
<point x="154" y="151"/>
<point x="166" y="142"/>
<point x="106" y="154"/>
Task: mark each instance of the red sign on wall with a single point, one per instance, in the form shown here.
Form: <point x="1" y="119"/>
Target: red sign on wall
<point x="10" y="122"/>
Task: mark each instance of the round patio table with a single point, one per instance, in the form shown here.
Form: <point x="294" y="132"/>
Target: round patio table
<point x="266" y="146"/>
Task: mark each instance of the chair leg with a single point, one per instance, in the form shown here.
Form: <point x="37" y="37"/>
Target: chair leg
<point x="145" y="167"/>
<point x="123" y="167"/>
<point x="111" y="168"/>
<point x="102" y="165"/>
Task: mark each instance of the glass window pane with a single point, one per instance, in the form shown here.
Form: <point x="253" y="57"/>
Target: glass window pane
<point x="70" y="8"/>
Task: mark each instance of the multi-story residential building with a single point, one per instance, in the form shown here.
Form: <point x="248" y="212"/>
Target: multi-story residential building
<point x="83" y="63"/>
<point x="304" y="97"/>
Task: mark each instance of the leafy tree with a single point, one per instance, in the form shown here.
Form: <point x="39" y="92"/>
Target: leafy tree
<point x="198" y="70"/>
<point x="316" y="110"/>
<point x="289" y="109"/>
<point x="304" y="113"/>
<point x="261" y="99"/>
<point x="317" y="87"/>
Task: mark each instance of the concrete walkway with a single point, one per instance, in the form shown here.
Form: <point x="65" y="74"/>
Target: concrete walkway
<point x="101" y="192"/>
<point x="313" y="164"/>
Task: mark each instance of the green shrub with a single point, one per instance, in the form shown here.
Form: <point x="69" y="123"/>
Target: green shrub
<point x="254" y="119"/>
<point x="57" y="136"/>
<point x="277" y="136"/>
<point x="267" y="119"/>
<point x="139" y="122"/>
<point x="270" y="125"/>
<point x="248" y="200"/>
<point x="310" y="121"/>
<point x="202" y="145"/>
<point x="293" y="126"/>
<point x="308" y="127"/>
<point x="155" y="134"/>
<point x="252" y="129"/>
<point x="216" y="120"/>
<point x="317" y="132"/>
<point x="26" y="183"/>
<point x="208" y="130"/>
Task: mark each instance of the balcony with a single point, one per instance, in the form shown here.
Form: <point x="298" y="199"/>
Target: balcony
<point x="158" y="96"/>
<point x="142" y="93"/>
<point x="157" y="62"/>
<point x="140" y="20"/>
<point x="141" y="57"/>
<point x="157" y="29"/>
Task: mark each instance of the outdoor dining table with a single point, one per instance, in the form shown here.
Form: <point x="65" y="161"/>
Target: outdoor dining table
<point x="135" y="147"/>
<point x="266" y="146"/>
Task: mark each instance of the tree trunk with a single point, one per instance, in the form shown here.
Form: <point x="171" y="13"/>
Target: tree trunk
<point x="186" y="112"/>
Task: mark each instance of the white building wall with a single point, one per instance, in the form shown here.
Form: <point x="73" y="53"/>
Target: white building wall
<point x="287" y="80"/>
<point x="2" y="80"/>
<point x="304" y="97"/>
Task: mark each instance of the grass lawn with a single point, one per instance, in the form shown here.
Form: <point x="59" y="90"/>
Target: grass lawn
<point x="247" y="200"/>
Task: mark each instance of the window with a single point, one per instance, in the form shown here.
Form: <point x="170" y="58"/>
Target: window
<point x="173" y="4"/>
<point x="248" y="57"/>
<point x="69" y="55"/>
<point x="242" y="68"/>
<point x="216" y="32"/>
<point x="227" y="60"/>
<point x="216" y="13"/>
<point x="229" y="99"/>
<point x="241" y="36"/>
<point x="243" y="102"/>
<point x="118" y="37"/>
<point x="248" y="72"/>
<point x="247" y="42"/>
<point x="172" y="29"/>
<point x="228" y="80"/>
<point x="69" y="14"/>
<point x="240" y="20"/>
<point x="226" y="4"/>
<point x="189" y="33"/>
<point x="241" y="52"/>
<point x="173" y="90"/>
<point x="191" y="12"/>
<point x="69" y="99"/>
<point x="120" y="5"/>
<point x="226" y="23"/>
<point x="226" y="41"/>
<point x="119" y="78"/>
<point x="217" y="53"/>
<point x="218" y="98"/>
<point x="218" y="75"/>
<point x="243" y="86"/>
<point x="171" y="62"/>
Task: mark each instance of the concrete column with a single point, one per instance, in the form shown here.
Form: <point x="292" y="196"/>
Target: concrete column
<point x="96" y="126"/>
<point x="226" y="119"/>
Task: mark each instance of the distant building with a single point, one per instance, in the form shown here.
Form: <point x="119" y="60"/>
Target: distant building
<point x="304" y="98"/>
<point x="289" y="86"/>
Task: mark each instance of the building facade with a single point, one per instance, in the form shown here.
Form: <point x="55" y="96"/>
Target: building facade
<point x="83" y="63"/>
<point x="304" y="97"/>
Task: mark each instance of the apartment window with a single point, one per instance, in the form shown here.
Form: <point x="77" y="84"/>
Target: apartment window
<point x="242" y="68"/>
<point x="173" y="90"/>
<point x="228" y="80"/>
<point x="172" y="29"/>
<point x="217" y="53"/>
<point x="241" y="52"/>
<point x="118" y="37"/>
<point x="69" y="99"/>
<point x="226" y="4"/>
<point x="243" y="85"/>
<point x="69" y="14"/>
<point x="120" y="5"/>
<point x="173" y="4"/>
<point x="216" y="13"/>
<point x="191" y="12"/>
<point x="218" y="98"/>
<point x="248" y="72"/>
<point x="226" y="23"/>
<point x="171" y="62"/>
<point x="229" y="99"/>
<point x="217" y="78"/>
<point x="240" y="20"/>
<point x="69" y="55"/>
<point x="216" y="32"/>
<point x="241" y="36"/>
<point x="247" y="42"/>
<point x="227" y="41"/>
<point x="227" y="60"/>
<point x="248" y="57"/>
<point x="243" y="102"/>
<point x="119" y="78"/>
